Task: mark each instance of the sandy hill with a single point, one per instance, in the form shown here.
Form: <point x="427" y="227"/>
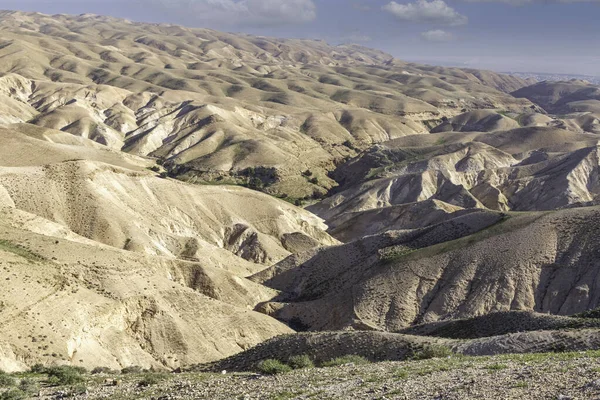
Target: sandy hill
<point x="106" y="263"/>
<point x="467" y="266"/>
<point x="477" y="121"/>
<point x="66" y="299"/>
<point x="217" y="106"/>
<point x="523" y="169"/>
<point x="576" y="103"/>
<point x="563" y="97"/>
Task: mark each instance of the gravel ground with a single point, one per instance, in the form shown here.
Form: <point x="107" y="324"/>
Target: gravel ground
<point x="532" y="376"/>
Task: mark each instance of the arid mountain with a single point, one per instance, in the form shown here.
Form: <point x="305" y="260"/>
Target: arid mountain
<point x="435" y="198"/>
<point x="274" y="114"/>
<point x="576" y="103"/>
<point x="522" y="169"/>
<point x="471" y="265"/>
<point x="92" y="239"/>
<point x="563" y="97"/>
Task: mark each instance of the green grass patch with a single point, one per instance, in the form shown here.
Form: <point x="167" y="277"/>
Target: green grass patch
<point x="152" y="379"/>
<point x="432" y="351"/>
<point x="349" y="359"/>
<point x="496" y="367"/>
<point x="273" y="367"/>
<point x="19" y="250"/>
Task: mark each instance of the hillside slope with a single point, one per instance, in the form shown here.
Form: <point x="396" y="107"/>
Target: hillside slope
<point x="468" y="266"/>
<point x="218" y="106"/>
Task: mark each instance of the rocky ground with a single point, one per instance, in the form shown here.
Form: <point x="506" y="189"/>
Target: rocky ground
<point x="529" y="376"/>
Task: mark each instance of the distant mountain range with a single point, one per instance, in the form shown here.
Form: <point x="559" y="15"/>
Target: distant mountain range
<point x="540" y="76"/>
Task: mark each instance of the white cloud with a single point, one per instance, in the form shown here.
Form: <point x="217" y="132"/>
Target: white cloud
<point x="423" y="11"/>
<point x="437" y="35"/>
<point x="243" y="12"/>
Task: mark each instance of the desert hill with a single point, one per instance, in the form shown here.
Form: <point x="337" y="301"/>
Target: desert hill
<point x="91" y="238"/>
<point x="69" y="300"/>
<point x="467" y="266"/>
<point x="563" y="97"/>
<point x="384" y="346"/>
<point x="439" y="201"/>
<point x="576" y="103"/>
<point x="523" y="169"/>
<point x="218" y="106"/>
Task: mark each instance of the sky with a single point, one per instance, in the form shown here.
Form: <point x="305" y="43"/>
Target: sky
<point x="547" y="36"/>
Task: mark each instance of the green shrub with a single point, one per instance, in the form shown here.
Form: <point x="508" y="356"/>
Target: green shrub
<point x="6" y="380"/>
<point x="273" y="367"/>
<point x="37" y="369"/>
<point x="103" y="370"/>
<point x="29" y="386"/>
<point x="300" y="362"/>
<point x="496" y="367"/>
<point x="64" y="375"/>
<point x="13" y="394"/>
<point x="349" y="359"/>
<point x="69" y="368"/>
<point x="152" y="379"/>
<point x="78" y="390"/>
<point x="432" y="351"/>
<point x="134" y="369"/>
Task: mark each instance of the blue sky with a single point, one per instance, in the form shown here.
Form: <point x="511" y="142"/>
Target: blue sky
<point x="561" y="36"/>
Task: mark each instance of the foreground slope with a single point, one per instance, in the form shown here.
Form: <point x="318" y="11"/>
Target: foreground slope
<point x="536" y="377"/>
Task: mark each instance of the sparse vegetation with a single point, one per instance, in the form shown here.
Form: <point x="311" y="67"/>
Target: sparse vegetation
<point x="300" y="362"/>
<point x="78" y="390"/>
<point x="13" y="394"/>
<point x="133" y="369"/>
<point x="496" y="367"/>
<point x="348" y="359"/>
<point x="273" y="367"/>
<point x="6" y="380"/>
<point x="102" y="370"/>
<point x="8" y="246"/>
<point x="64" y="375"/>
<point x="432" y="351"/>
<point x="37" y="369"/>
<point x="28" y="386"/>
<point x="152" y="378"/>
